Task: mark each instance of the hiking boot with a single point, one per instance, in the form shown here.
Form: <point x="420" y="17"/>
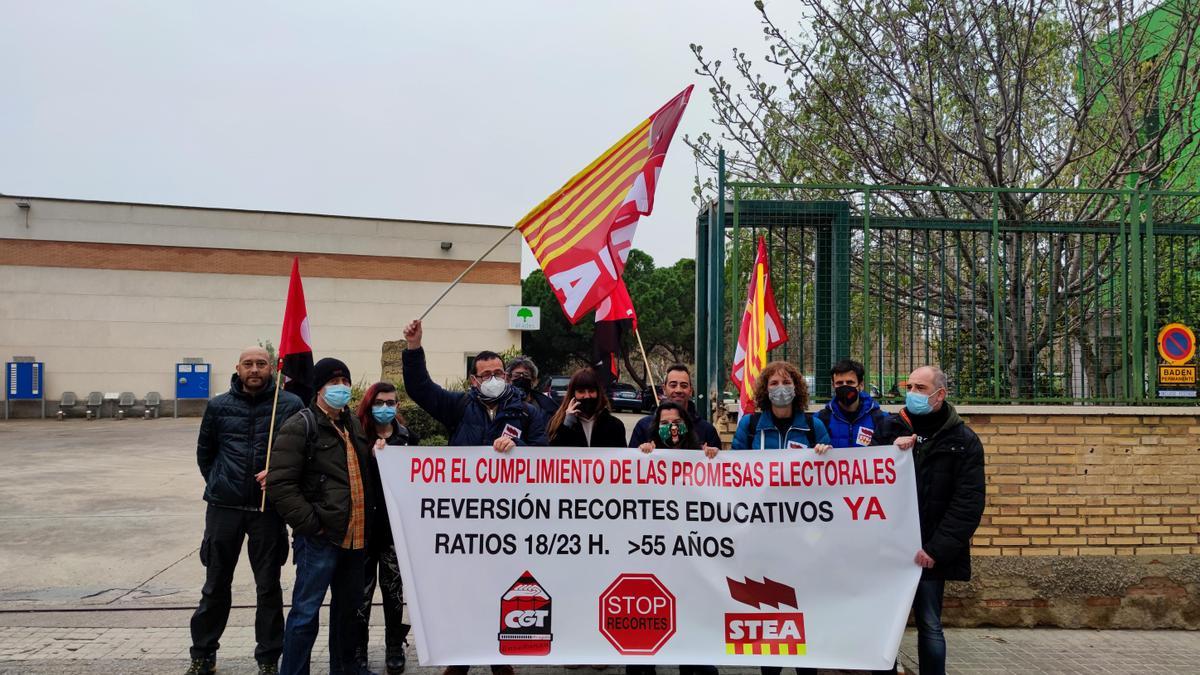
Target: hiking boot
<point x="202" y="667"/>
<point x="267" y="668"/>
<point x="394" y="664"/>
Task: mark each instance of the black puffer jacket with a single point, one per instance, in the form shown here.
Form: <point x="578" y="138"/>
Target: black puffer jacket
<point x="233" y="442"/>
<point x="310" y="487"/>
<point x="950" y="491"/>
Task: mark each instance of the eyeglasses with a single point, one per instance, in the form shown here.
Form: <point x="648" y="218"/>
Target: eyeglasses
<point x="384" y="404"/>
<point x="494" y="373"/>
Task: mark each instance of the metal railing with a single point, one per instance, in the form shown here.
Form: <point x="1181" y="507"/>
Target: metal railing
<point x="1021" y="296"/>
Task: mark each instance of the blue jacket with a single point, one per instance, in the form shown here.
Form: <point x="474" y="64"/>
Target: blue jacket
<point x="844" y="431"/>
<point x="765" y="436"/>
<point x="465" y="416"/>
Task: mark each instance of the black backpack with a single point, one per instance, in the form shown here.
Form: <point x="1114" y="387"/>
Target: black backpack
<point x="812" y="433"/>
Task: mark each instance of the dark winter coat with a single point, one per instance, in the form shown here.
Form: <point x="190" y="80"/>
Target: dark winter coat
<point x="544" y="403"/>
<point x="377" y="512"/>
<point x="845" y="429"/>
<point x="232" y="446"/>
<point x="950" y="491"/>
<point x="465" y="416"/>
<point x="705" y="431"/>
<point x="309" y="482"/>
<point x="607" y="432"/>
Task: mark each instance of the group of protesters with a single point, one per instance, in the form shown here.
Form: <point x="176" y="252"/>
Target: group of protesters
<point x="323" y="481"/>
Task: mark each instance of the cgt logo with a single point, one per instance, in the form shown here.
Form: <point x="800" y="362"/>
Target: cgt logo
<point x="764" y="633"/>
<point x="525" y="619"/>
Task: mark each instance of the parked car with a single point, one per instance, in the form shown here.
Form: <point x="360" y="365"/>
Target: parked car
<point x="556" y="387"/>
<point x="625" y="397"/>
<point x="648" y="403"/>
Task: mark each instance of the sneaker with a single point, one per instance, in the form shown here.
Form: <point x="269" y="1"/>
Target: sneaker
<point x="267" y="669"/>
<point x="456" y="670"/>
<point x="502" y="670"/>
<point x="202" y="667"/>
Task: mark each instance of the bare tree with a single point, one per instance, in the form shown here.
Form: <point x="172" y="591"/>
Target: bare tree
<point x="1029" y="94"/>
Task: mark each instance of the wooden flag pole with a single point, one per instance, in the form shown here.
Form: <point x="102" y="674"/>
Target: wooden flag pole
<point x="464" y="272"/>
<point x="649" y="373"/>
<point x="271" y="432"/>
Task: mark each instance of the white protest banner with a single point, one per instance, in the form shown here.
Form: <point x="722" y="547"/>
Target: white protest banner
<point x="568" y="555"/>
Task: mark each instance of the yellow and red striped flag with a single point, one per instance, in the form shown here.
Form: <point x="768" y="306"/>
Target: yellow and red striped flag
<point x="582" y="233"/>
<point x="762" y="330"/>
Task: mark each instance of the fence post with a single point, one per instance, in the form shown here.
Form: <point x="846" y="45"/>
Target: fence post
<point x="996" y="301"/>
<point x="716" y="288"/>
<point x="703" y="356"/>
<point x="866" y="312"/>
<point x="1150" y="300"/>
<point x="1138" y="293"/>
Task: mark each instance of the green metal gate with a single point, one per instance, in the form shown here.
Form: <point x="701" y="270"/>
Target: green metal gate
<point x="1021" y="296"/>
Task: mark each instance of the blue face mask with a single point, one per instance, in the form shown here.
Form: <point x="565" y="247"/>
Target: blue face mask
<point x="917" y="404"/>
<point x="337" y="396"/>
<point x="383" y="414"/>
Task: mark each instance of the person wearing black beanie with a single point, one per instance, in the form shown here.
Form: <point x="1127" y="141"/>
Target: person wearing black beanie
<point x="317" y="481"/>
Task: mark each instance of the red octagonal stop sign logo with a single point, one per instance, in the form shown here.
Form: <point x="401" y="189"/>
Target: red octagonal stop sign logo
<point x="637" y="614"/>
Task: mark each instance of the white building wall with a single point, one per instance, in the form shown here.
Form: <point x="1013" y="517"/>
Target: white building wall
<point x="123" y="330"/>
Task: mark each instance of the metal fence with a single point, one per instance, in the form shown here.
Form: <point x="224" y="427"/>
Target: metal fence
<point x="1021" y="296"/>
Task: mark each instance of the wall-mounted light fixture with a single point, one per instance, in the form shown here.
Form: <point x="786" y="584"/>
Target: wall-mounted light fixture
<point x="23" y="204"/>
<point x="446" y="245"/>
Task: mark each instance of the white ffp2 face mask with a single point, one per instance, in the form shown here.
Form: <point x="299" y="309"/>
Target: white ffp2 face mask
<point x="492" y="387"/>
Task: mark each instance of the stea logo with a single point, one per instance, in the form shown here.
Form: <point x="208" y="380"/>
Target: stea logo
<point x="525" y="619"/>
<point x="771" y="633"/>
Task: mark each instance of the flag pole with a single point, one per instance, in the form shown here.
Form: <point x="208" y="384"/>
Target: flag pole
<point x="464" y="272"/>
<point x="649" y="373"/>
<point x="271" y="433"/>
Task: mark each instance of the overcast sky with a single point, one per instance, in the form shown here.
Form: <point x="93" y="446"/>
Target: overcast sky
<point x="454" y="111"/>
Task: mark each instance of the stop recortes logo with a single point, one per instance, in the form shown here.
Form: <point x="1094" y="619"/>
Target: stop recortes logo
<point x="525" y="618"/>
<point x="637" y="614"/>
<point x="764" y="633"/>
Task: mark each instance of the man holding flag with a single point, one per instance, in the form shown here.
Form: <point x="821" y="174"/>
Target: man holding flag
<point x="232" y="452"/>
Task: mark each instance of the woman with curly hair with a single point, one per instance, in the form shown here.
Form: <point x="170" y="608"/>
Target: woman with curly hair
<point x="782" y="420"/>
<point x="585" y="419"/>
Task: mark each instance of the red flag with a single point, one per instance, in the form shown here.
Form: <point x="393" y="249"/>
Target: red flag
<point x="618" y="306"/>
<point x="582" y="233"/>
<point x="295" y="345"/>
<point x="762" y="330"/>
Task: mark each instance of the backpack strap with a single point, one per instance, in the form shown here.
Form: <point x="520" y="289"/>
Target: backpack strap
<point x="825" y="417"/>
<point x="812" y="432"/>
<point x="310" y="433"/>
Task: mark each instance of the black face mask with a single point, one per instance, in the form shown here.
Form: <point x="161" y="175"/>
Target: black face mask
<point x="588" y="406"/>
<point x="523" y="383"/>
<point x="846" y="395"/>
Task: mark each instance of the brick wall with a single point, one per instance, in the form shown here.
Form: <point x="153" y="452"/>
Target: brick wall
<point x="1090" y="485"/>
<point x="1092" y="520"/>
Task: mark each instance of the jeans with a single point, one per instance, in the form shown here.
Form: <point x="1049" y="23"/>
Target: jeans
<point x="224" y="530"/>
<point x="927" y="610"/>
<point x="323" y="566"/>
<point x="383" y="567"/>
